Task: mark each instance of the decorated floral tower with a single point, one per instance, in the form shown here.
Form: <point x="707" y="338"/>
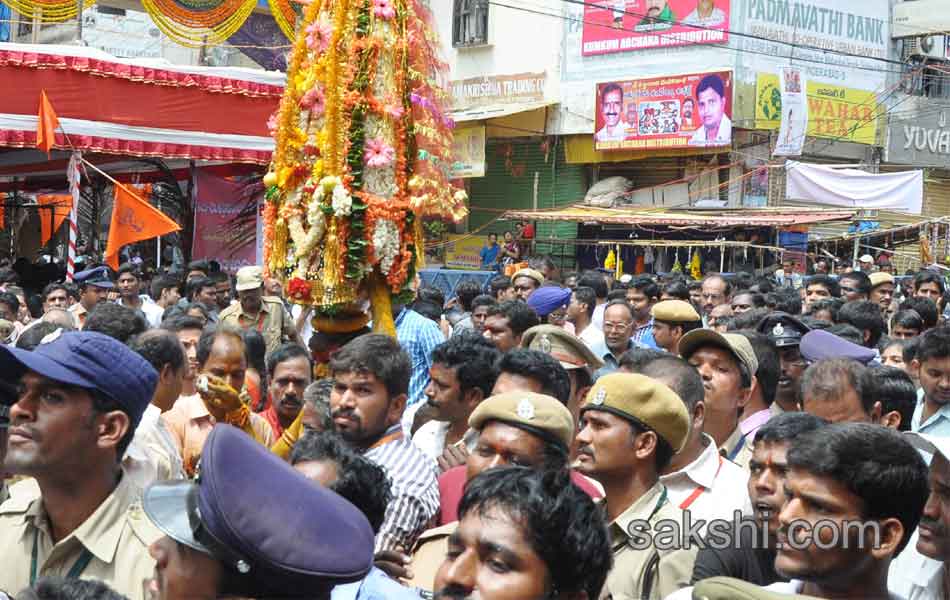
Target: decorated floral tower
<point x="362" y="154"/>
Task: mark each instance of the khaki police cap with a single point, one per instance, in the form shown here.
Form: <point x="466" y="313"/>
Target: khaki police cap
<point x="675" y="311"/>
<point x="880" y="278"/>
<point x="529" y="273"/>
<point x="735" y="344"/>
<point x="538" y="412"/>
<point x="567" y="349"/>
<point x="727" y="588"/>
<point x="645" y="400"/>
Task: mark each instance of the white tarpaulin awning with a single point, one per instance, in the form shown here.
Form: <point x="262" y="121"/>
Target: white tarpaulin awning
<point x="824" y="184"/>
<point x="496" y="111"/>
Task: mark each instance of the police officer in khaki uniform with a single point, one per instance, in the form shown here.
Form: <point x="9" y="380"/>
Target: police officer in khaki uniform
<point x="254" y="310"/>
<point x="522" y="428"/>
<point x="672" y="319"/>
<point x="630" y="428"/>
<point x="82" y="395"/>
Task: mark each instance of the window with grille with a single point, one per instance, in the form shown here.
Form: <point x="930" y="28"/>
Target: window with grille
<point x="470" y="23"/>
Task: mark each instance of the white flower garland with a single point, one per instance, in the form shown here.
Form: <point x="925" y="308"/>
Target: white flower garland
<point x="342" y="202"/>
<point x="385" y="244"/>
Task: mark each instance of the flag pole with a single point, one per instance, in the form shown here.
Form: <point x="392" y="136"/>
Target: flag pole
<point x="72" y="174"/>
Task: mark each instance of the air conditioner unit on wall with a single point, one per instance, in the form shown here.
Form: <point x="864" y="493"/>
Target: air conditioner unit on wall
<point x="927" y="46"/>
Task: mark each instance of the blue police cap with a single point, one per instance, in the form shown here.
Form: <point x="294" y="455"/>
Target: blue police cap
<point x="821" y="345"/>
<point x="286" y="535"/>
<point x="88" y="360"/>
<point x="98" y="277"/>
<point x="783" y="329"/>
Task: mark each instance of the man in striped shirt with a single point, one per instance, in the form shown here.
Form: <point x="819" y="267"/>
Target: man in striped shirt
<point x="371" y="385"/>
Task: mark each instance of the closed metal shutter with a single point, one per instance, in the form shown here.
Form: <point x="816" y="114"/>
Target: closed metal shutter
<point x="936" y="196"/>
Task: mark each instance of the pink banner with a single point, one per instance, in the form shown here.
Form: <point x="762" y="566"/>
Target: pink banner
<point x="612" y="26"/>
<point x="218" y="202"/>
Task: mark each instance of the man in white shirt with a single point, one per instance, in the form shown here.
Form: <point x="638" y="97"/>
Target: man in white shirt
<point x="462" y="374"/>
<point x="920" y="571"/>
<point x="699" y="479"/>
<point x="580" y="312"/>
<point x="611" y="107"/>
<point x="153" y="454"/>
<point x="705" y="15"/>
<point x="716" y="128"/>
<point x="129" y="283"/>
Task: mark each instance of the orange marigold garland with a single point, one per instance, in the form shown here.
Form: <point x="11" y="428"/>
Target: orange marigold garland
<point x="362" y="155"/>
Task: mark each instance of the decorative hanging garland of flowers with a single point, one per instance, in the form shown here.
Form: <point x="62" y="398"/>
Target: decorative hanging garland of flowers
<point x="193" y="23"/>
<point x="47" y="11"/>
<point x="363" y="145"/>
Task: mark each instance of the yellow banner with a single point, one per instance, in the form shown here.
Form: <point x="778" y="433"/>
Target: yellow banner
<point x="464" y="252"/>
<point x="833" y="111"/>
<point x="468" y="151"/>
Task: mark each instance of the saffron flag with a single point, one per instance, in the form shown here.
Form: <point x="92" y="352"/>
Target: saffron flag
<point x="47" y="125"/>
<point x="134" y="220"/>
<point x="57" y="210"/>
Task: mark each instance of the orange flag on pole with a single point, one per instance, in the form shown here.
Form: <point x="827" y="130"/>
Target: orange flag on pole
<point x="47" y="125"/>
<point x="134" y="220"/>
<point x="52" y="218"/>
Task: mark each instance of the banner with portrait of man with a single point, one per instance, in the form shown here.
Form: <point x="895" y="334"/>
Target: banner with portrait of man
<point x="672" y="111"/>
<point x="612" y="26"/>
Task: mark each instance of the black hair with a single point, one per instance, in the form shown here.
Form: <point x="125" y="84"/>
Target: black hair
<point x="200" y="306"/>
<point x="788" y="426"/>
<point x="750" y="319"/>
<point x="742" y="281"/>
<point x="895" y="390"/>
<point x="758" y="299"/>
<point x="646" y="286"/>
<point x="814" y="323"/>
<point x="31" y="337"/>
<point x="848" y="332"/>
<point x="862" y="281"/>
<point x="287" y="352"/>
<point x="208" y="337"/>
<point x="864" y="316"/>
<point x="8" y="275"/>
<point x="727" y="285"/>
<point x="925" y="307"/>
<point x="826" y="281"/>
<point x="679" y="376"/>
<point x="429" y="310"/>
<point x="317" y="395"/>
<point x="101" y="404"/>
<point x="934" y="343"/>
<point x="770" y="369"/>
<point x="618" y="293"/>
<point x="929" y="277"/>
<point x="499" y="284"/>
<point x="116" y="321"/>
<point x="62" y="588"/>
<point x="521" y="317"/>
<point x="874" y="463"/>
<point x="539" y="366"/>
<point x="195" y="285"/>
<point x="483" y="300"/>
<point x="785" y="300"/>
<point x="359" y="480"/>
<point x="160" y="348"/>
<point x="763" y="284"/>
<point x="428" y="293"/>
<point x="182" y="323"/>
<point x="609" y="89"/>
<point x="129" y="268"/>
<point x="910" y="350"/>
<point x="635" y="359"/>
<point x="623" y="303"/>
<point x="219" y="276"/>
<point x="380" y="355"/>
<point x="199" y="265"/>
<point x="676" y="289"/>
<point x="466" y="291"/>
<point x="664" y="450"/>
<point x="255" y="349"/>
<point x="162" y="283"/>
<point x="12" y="301"/>
<point x="473" y="358"/>
<point x="566" y="529"/>
<point x="694" y="285"/>
<point x="908" y="319"/>
<point x="832" y="305"/>
<point x="594" y="280"/>
<point x="53" y="287"/>
<point x="824" y="377"/>
<point x="711" y="82"/>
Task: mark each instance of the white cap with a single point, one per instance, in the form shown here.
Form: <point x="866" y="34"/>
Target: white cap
<point x="626" y="278"/>
<point x="866" y="258"/>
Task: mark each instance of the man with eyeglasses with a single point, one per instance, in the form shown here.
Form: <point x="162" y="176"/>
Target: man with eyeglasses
<point x="618" y="336"/>
<point x="716" y="290"/>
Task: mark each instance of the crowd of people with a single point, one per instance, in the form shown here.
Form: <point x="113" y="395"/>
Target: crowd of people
<point x="546" y="435"/>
